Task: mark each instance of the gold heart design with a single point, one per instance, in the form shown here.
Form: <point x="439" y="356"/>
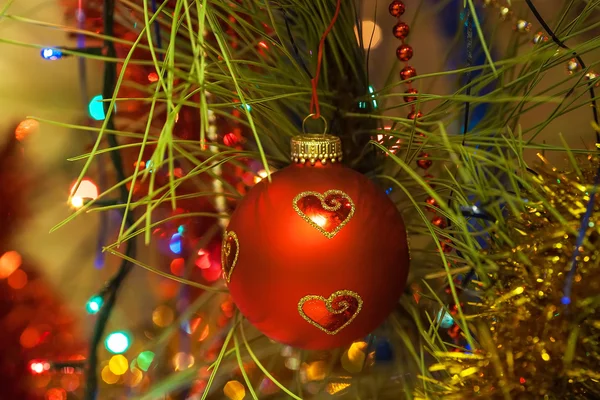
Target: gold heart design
<point x="228" y="265"/>
<point x="333" y="314"/>
<point x="327" y="212"/>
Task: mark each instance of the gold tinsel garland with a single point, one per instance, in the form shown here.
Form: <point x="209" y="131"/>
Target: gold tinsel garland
<point x="534" y="341"/>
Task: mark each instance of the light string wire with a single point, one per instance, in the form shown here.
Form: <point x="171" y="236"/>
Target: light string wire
<point x="114" y="284"/>
<point x="561" y="44"/>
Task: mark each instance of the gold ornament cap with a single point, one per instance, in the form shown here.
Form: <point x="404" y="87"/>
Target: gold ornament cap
<point x="316" y="147"/>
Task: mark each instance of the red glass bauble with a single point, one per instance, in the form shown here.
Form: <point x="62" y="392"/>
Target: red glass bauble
<point x="396" y="8"/>
<point x="401" y="30"/>
<point x="404" y="52"/>
<point x="318" y="257"/>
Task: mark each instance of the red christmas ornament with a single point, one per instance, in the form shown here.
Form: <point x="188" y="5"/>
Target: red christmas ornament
<point x="318" y="257"/>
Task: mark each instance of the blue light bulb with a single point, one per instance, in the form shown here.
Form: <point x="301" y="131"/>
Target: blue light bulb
<point x="50" y="53"/>
<point x="175" y="243"/>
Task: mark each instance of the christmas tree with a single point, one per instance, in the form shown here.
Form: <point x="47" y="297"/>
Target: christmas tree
<point x="426" y="235"/>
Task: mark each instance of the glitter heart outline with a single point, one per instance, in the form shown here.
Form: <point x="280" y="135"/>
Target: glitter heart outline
<point x="322" y="197"/>
<point x="226" y="251"/>
<point x="328" y="303"/>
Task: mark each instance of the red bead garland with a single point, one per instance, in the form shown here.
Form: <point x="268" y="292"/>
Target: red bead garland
<point x="404" y="52"/>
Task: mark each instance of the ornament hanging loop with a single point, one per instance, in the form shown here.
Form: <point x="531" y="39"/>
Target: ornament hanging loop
<point x="310" y="116"/>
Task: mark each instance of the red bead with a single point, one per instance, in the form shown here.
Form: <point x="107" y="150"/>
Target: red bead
<point x="438" y="221"/>
<point x="446" y="247"/>
<point x="401" y="30"/>
<point x="432" y="202"/>
<point x="408" y="98"/>
<point x="423" y="161"/>
<point x="404" y="52"/>
<point x="408" y="73"/>
<point x="428" y="178"/>
<point x="396" y="8"/>
<point x="414" y="115"/>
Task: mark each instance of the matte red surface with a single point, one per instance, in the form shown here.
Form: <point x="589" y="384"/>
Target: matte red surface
<point x="283" y="258"/>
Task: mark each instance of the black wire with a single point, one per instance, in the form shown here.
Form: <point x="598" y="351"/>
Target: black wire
<point x="469" y="73"/>
<point x="560" y="43"/>
<point x="113" y="285"/>
<point x="294" y="45"/>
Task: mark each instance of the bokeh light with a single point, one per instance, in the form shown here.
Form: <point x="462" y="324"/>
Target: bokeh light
<point x="371" y="34"/>
<point x="260" y="175"/>
<point x="56" y="394"/>
<point x="178" y="266"/>
<point x="144" y="360"/>
<point x="94" y="304"/>
<point x="445" y="319"/>
<point x="354" y="358"/>
<point x="117" y="342"/>
<point x="26" y="128"/>
<point x="152" y="77"/>
<point x="38" y="367"/>
<point x="17" y="280"/>
<point x="163" y="316"/>
<point x="9" y="263"/>
<point x="70" y="382"/>
<point x="203" y="260"/>
<point x="30" y="337"/>
<point x="87" y="190"/>
<point x="135" y="377"/>
<point x="183" y="361"/>
<point x="315" y="371"/>
<point x="175" y="243"/>
<point x="96" y="108"/>
<point x="204" y="333"/>
<point x="234" y="390"/>
<point x="118" y="364"/>
<point x="108" y="376"/>
<point x="191" y="325"/>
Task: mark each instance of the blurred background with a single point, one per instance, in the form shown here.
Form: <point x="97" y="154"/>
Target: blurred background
<point x="47" y="279"/>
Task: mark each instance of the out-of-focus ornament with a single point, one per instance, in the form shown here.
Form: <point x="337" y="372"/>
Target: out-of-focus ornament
<point x="26" y="128"/>
<point x="573" y="66"/>
<point x="522" y="26"/>
<point x="540" y="37"/>
<point x="318" y="257"/>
